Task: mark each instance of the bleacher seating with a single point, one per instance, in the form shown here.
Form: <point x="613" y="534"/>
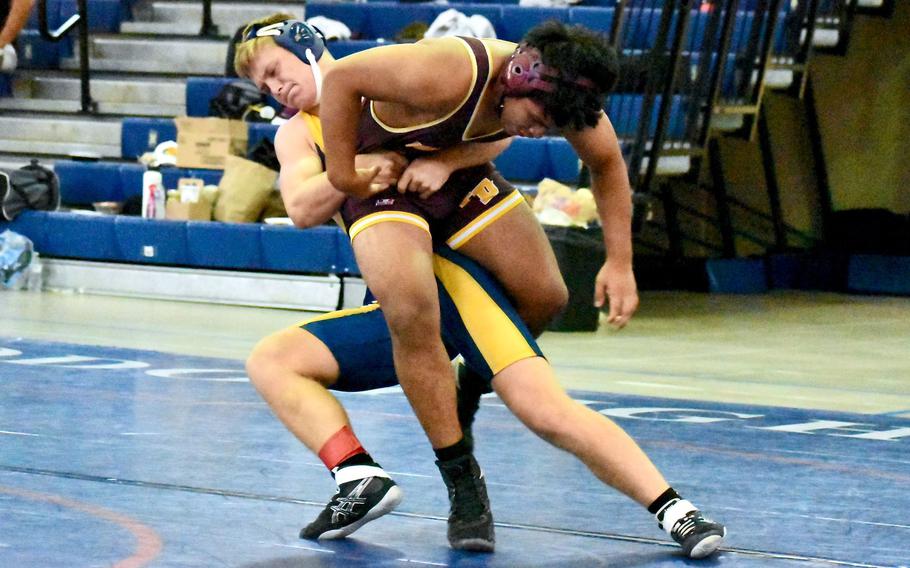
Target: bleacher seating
<point x="377" y="22"/>
<point x="35" y="52"/>
<point x="383" y="20"/>
<point x="141" y="135"/>
<point x="103" y="15"/>
<point x="319" y="250"/>
<point x="84" y="183"/>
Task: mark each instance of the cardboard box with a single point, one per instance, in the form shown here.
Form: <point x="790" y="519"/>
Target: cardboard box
<point x="207" y="142"/>
<point x="179" y="211"/>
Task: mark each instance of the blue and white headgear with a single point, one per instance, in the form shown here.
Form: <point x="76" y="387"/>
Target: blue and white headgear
<point x="298" y="37"/>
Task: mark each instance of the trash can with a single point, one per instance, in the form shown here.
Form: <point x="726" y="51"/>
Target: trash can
<point x="580" y="254"/>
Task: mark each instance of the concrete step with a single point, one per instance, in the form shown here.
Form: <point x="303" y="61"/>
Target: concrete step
<point x="147" y="96"/>
<point x="228" y="16"/>
<point x="60" y="134"/>
<point x="154" y="55"/>
<point x="271" y="290"/>
<point x="74" y="106"/>
<point x="162" y="28"/>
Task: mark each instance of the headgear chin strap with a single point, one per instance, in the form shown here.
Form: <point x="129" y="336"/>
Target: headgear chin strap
<point x="298" y="37"/>
<point x="525" y="74"/>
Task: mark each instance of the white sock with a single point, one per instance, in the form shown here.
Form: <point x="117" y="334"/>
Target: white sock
<point x="355" y="472"/>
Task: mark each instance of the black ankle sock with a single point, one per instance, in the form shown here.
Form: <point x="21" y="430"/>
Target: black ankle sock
<point x="362" y="458"/>
<point x="460" y="448"/>
<point x="664" y="498"/>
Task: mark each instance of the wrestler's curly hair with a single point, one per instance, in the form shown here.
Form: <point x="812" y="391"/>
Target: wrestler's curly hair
<point x="575" y="51"/>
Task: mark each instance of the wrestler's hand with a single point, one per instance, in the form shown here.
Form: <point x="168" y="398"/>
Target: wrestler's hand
<point x="390" y="164"/>
<point x="616" y="283"/>
<point x="358" y="183"/>
<point x="424" y="176"/>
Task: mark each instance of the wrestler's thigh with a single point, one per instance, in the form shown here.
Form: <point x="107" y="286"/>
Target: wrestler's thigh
<point x="395" y="259"/>
<point x="358" y="347"/>
<point x="516" y="251"/>
<point x="300" y="351"/>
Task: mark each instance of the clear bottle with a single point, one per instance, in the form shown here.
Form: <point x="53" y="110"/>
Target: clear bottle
<point x="35" y="276"/>
<point x="153" y="195"/>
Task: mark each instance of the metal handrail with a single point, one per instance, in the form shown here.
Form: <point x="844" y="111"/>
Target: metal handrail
<point x="666" y="101"/>
<point x="208" y="29"/>
<point x="80" y="18"/>
<point x="619" y="17"/>
<point x="656" y="58"/>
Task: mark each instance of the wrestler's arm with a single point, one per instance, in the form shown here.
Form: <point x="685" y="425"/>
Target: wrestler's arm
<point x="408" y="74"/>
<point x="598" y="147"/>
<point x="427" y="174"/>
<point x="15" y="20"/>
<point x="308" y="196"/>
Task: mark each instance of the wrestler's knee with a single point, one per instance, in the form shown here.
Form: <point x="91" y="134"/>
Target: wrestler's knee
<point x="546" y="300"/>
<point x="551" y="418"/>
<point x="264" y="357"/>
<point x="415" y="320"/>
<point x="554" y="295"/>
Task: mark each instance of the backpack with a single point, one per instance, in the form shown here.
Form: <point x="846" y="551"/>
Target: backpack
<point x="235" y="99"/>
<point x="30" y="187"/>
<point x="264" y="153"/>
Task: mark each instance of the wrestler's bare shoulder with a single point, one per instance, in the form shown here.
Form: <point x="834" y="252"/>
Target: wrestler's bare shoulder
<point x="295" y="133"/>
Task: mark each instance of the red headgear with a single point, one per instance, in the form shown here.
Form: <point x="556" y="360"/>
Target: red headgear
<point x="525" y="74"/>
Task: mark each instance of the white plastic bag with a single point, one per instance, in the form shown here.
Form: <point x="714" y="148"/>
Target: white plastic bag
<point x="452" y="22"/>
<point x="8" y="59"/>
<point x="16" y="253"/>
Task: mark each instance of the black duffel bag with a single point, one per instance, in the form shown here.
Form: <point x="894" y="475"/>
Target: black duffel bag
<point x="235" y="101"/>
<point x="30" y="187"/>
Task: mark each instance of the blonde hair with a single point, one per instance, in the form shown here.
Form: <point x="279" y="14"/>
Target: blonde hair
<point x="246" y="51"/>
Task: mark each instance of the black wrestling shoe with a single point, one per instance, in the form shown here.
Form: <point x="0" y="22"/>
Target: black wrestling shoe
<point x="470" y="518"/>
<point x="698" y="535"/>
<point x="470" y="387"/>
<point x="364" y="493"/>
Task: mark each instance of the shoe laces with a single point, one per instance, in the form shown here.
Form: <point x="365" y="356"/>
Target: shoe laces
<point x="686" y="526"/>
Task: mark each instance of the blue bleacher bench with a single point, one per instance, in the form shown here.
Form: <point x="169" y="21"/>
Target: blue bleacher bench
<point x="375" y="20"/>
<point x="141" y="135"/>
<point x="103" y="15"/>
<point x="119" y="238"/>
<point x="35" y="52"/>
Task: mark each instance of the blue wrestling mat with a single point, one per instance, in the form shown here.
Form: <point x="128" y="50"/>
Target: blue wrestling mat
<point x="133" y="458"/>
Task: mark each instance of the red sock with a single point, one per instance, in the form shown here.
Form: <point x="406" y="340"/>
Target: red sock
<point x="342" y="445"/>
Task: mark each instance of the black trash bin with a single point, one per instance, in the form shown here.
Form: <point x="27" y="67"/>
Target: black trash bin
<point x="580" y="254"/>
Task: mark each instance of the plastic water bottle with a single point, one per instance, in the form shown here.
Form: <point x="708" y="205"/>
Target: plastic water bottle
<point x="153" y="195"/>
<point x="35" y="277"/>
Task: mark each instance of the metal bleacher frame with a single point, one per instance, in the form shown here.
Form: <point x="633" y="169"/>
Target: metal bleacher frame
<point x="698" y="64"/>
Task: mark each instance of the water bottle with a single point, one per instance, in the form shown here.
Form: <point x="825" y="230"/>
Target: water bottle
<point x="35" y="277"/>
<point x="152" y="195"/>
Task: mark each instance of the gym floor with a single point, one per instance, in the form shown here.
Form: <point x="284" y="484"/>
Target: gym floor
<point x="129" y="436"/>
